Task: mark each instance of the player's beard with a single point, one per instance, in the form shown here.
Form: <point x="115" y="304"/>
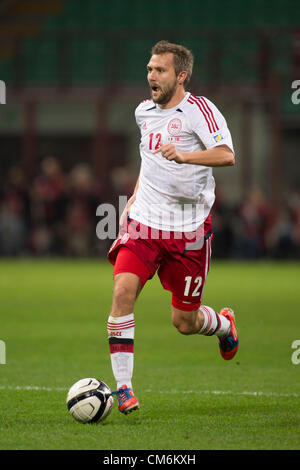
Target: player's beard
<point x="165" y="94"/>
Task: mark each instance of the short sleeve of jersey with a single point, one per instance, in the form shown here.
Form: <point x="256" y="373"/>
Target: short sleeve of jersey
<point x="209" y="124"/>
<point x="140" y="112"/>
<point x="137" y="118"/>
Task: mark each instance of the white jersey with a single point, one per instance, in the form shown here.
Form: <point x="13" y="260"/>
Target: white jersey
<point x="172" y="196"/>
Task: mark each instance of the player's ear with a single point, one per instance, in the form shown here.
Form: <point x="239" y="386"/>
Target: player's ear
<point x="181" y="77"/>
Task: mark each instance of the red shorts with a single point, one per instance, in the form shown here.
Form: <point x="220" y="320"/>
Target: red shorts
<point x="181" y="260"/>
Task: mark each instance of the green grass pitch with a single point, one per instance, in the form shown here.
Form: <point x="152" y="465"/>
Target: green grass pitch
<point x="53" y="323"/>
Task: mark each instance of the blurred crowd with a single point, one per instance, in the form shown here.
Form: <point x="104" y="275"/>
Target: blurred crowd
<point x="253" y="228"/>
<point x="55" y="215"/>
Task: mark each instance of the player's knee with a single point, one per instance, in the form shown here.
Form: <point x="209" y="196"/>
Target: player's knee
<point x="183" y="326"/>
<point x="123" y="293"/>
<point x="123" y="299"/>
<point x="186" y="322"/>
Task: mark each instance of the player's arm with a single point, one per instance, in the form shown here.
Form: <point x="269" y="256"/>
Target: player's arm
<point x="220" y="155"/>
<point x="129" y="203"/>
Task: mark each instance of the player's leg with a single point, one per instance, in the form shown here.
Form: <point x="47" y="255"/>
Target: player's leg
<point x="120" y="328"/>
<point x="187" y="322"/>
<point x="127" y="286"/>
<point x="204" y="320"/>
<point x="130" y="274"/>
<point x="184" y="274"/>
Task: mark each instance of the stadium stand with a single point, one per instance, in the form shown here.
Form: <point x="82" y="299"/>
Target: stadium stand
<point x="51" y="39"/>
<point x="249" y="50"/>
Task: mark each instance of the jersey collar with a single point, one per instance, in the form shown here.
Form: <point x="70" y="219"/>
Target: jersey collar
<point x="171" y="110"/>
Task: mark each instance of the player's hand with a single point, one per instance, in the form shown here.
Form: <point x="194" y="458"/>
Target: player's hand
<point x="170" y="152"/>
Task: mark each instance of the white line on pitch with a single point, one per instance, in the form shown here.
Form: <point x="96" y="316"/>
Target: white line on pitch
<point x="164" y="392"/>
<point x="33" y="387"/>
<point x="227" y="392"/>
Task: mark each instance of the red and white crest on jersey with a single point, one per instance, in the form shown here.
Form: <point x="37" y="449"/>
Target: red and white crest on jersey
<point x="174" y="126"/>
<point x="206" y="111"/>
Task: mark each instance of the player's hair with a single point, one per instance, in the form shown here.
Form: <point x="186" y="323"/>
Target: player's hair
<point x="182" y="57"/>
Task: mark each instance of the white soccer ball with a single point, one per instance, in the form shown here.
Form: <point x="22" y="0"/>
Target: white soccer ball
<point x="89" y="400"/>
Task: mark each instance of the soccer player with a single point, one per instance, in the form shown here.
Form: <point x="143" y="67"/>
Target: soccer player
<point x="166" y="225"/>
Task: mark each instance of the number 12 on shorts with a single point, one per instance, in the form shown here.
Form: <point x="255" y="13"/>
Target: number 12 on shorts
<point x="195" y="286"/>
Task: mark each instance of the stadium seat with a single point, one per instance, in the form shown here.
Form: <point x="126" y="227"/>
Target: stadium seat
<point x="110" y="42"/>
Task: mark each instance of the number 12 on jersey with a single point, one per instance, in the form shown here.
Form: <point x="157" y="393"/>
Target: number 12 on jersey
<point x="157" y="140"/>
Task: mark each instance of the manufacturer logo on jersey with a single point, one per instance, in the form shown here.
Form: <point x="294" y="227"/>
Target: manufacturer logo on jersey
<point x="218" y="137"/>
<point x="174" y="126"/>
